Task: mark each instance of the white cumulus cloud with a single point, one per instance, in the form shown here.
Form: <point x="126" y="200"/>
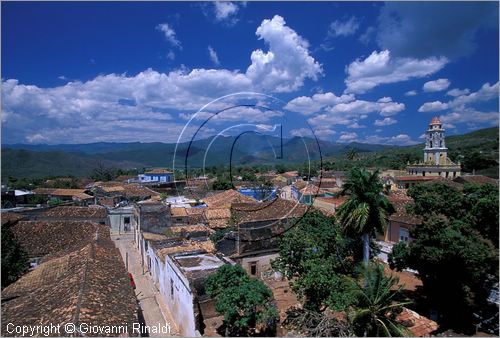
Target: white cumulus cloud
<point x="225" y="10"/>
<point x="458" y="92"/>
<point x="287" y="63"/>
<point x="347" y="137"/>
<point x="141" y="106"/>
<point x="307" y="105"/>
<point x="433" y="106"/>
<point x="380" y="68"/>
<point x="385" y="122"/>
<point x="436" y="85"/>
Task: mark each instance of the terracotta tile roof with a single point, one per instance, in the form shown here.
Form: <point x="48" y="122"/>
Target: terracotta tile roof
<point x="67" y="192"/>
<point x="418" y="325"/>
<point x="82" y="196"/>
<point x="195" y="211"/>
<point x="53" y="239"/>
<point x="476" y="179"/>
<point x="217" y="213"/>
<point x="135" y="190"/>
<point x="106" y="184"/>
<point x="400" y="215"/>
<point x="217" y="217"/>
<point x="195" y="230"/>
<point x="416" y="178"/>
<point x="123" y="178"/>
<point x="89" y="285"/>
<point x="327" y="183"/>
<point x="272" y="210"/>
<point x="106" y="201"/>
<point x="149" y="236"/>
<point x="158" y="171"/>
<point x="328" y="205"/>
<point x="300" y="184"/>
<point x="195" y="215"/>
<point x="178" y="212"/>
<point x="186" y="246"/>
<point x="338" y="200"/>
<point x="10" y="217"/>
<point x="226" y="198"/>
<point x="44" y="191"/>
<point x="312" y="190"/>
<point x="290" y="174"/>
<point x="77" y="212"/>
<point x="115" y="188"/>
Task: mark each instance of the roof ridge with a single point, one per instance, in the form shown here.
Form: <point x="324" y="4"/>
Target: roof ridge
<point x="82" y="287"/>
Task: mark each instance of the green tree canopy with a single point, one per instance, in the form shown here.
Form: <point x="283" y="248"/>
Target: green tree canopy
<point x="243" y="301"/>
<point x="222" y="184"/>
<point x="316" y="255"/>
<point x="457" y="266"/>
<point x="14" y="259"/>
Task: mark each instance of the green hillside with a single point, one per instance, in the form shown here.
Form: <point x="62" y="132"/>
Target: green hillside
<point x="21" y="163"/>
<point x="477" y="151"/>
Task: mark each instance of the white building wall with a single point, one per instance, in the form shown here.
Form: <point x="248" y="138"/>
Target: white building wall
<point x="179" y="298"/>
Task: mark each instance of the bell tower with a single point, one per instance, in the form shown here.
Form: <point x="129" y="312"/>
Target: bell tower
<point x="435" y="151"/>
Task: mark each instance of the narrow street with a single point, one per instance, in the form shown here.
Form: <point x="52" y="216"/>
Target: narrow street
<point x="154" y="310"/>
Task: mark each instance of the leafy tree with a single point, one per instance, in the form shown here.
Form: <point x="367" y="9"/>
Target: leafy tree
<point x="481" y="200"/>
<point x="14" y="259"/>
<point x="475" y="160"/>
<point x="315" y="255"/>
<point x="457" y="267"/>
<point x="103" y="173"/>
<point x="222" y="184"/>
<point x="376" y="306"/>
<point x="248" y="176"/>
<point x="476" y="205"/>
<point x="366" y="209"/>
<point x="280" y="168"/>
<point x="351" y="154"/>
<point x="320" y="285"/>
<point x="245" y="302"/>
<point x="438" y="197"/>
<point x="308" y="170"/>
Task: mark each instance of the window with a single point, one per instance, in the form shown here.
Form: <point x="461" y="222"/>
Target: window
<point x="253" y="268"/>
<point x="404" y="235"/>
<point x="171" y="288"/>
<point x="126" y="220"/>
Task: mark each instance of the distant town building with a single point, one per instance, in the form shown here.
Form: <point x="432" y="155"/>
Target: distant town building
<point x="156" y="175"/>
<point x="436" y="161"/>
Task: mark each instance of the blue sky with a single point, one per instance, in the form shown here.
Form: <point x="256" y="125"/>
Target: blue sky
<point x="369" y="72"/>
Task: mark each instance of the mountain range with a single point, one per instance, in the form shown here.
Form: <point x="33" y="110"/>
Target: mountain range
<point x="23" y="160"/>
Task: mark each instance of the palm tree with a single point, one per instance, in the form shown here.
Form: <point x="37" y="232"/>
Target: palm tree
<point x="375" y="311"/>
<point x="351" y="154"/>
<point x="366" y="209"/>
